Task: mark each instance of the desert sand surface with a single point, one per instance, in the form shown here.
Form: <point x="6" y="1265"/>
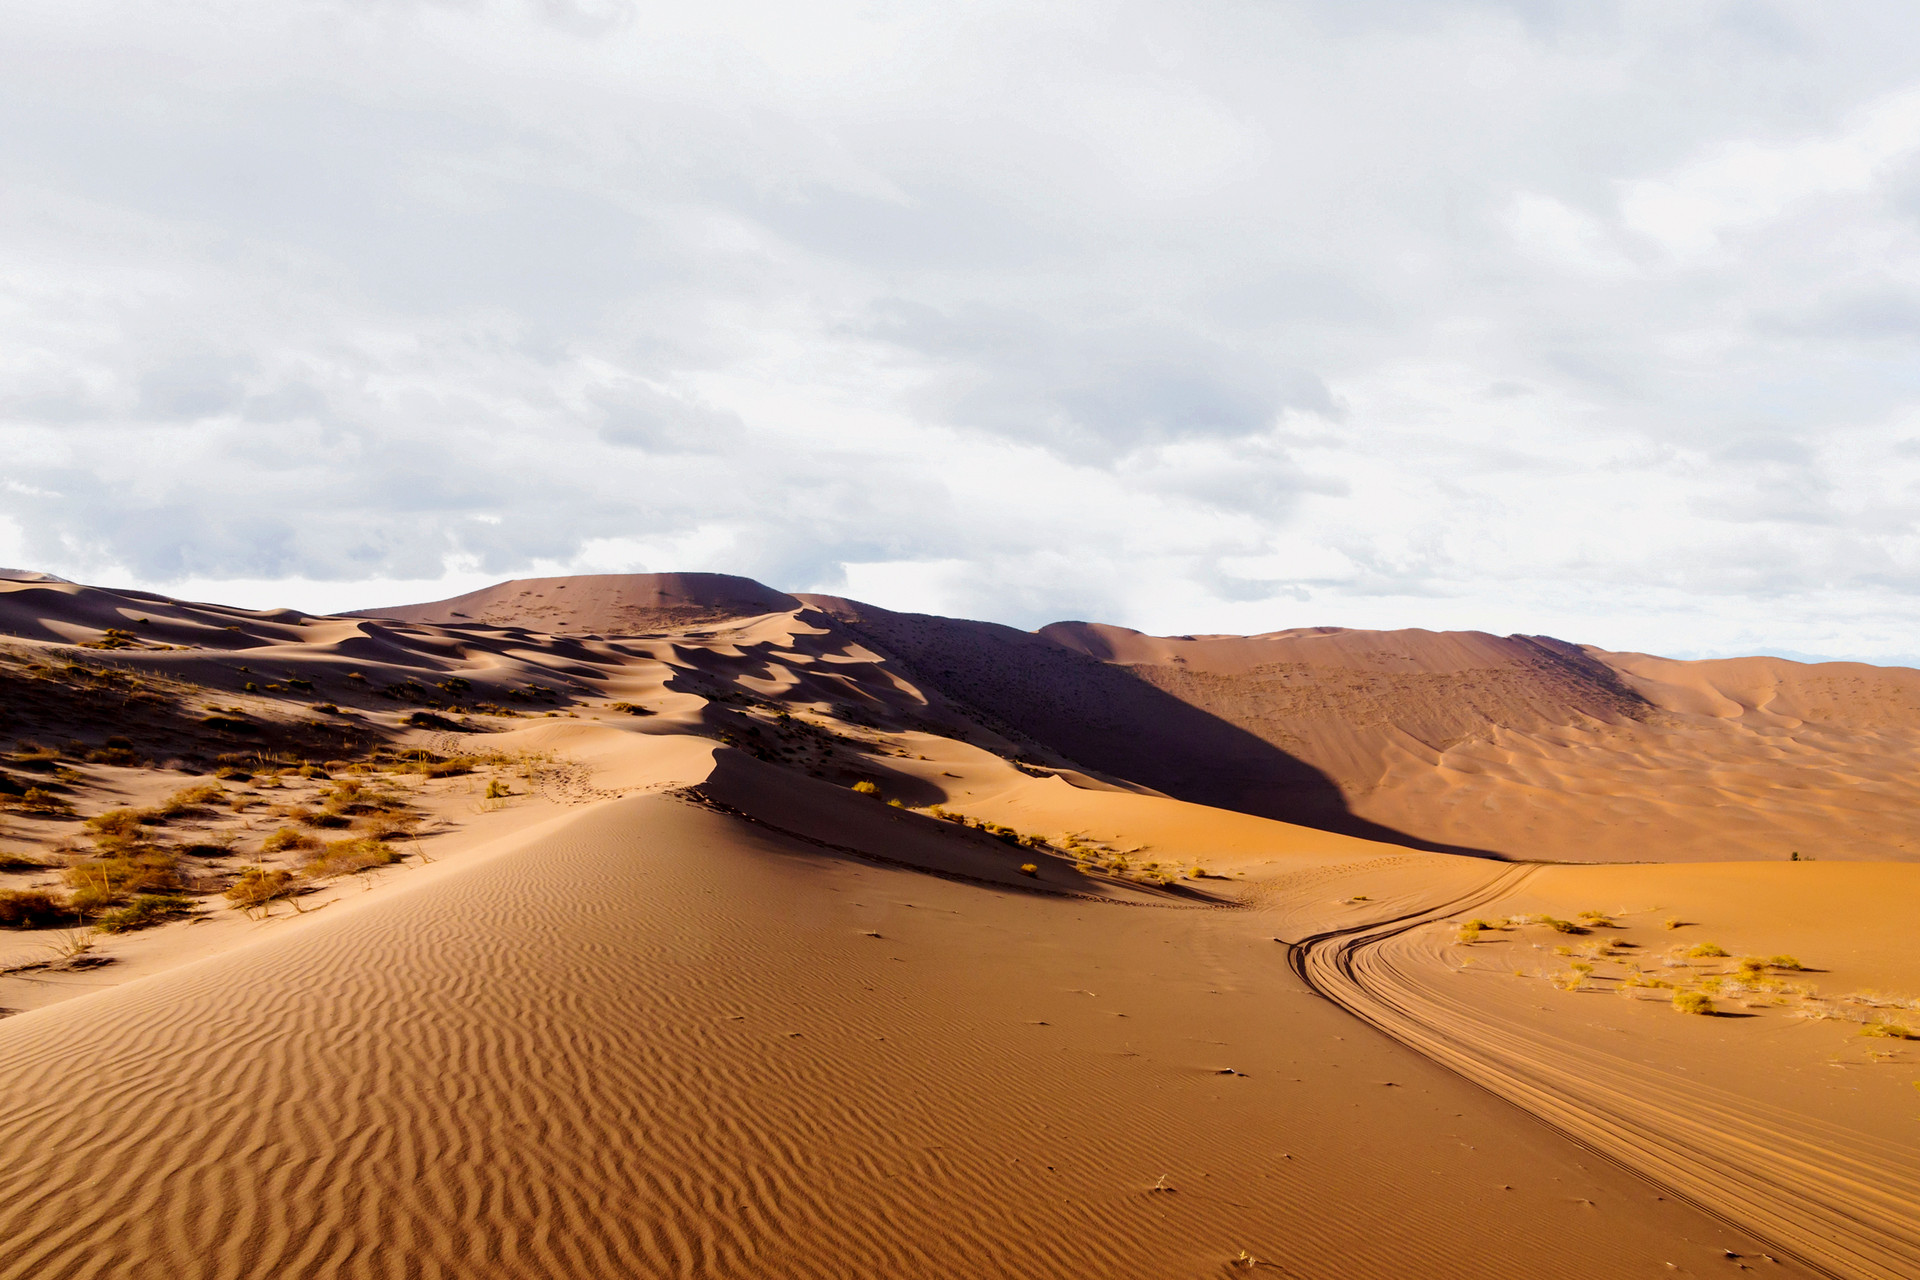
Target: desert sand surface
<point x="681" y="927"/>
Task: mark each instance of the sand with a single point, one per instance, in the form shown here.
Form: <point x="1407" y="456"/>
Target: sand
<point x="684" y="1002"/>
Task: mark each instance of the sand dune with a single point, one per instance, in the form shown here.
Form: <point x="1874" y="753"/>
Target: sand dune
<point x="733" y="933"/>
<point x="600" y="604"/>
<point x="662" y="1044"/>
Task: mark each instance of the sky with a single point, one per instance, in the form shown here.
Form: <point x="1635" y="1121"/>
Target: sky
<point x="1591" y="319"/>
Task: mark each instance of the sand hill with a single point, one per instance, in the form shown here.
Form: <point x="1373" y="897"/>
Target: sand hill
<point x="671" y="926"/>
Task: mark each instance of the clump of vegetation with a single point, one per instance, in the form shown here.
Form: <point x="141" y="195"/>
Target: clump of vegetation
<point x="117" y="874"/>
<point x="32" y="909"/>
<point x="188" y="800"/>
<point x="1706" y="951"/>
<point x="146" y="909"/>
<point x="1596" y="920"/>
<point x="349" y="857"/>
<point x="1698" y="1002"/>
<point x="497" y="790"/>
<point x="289" y="838"/>
<point x="259" y="887"/>
<point x="631" y="709"/>
<point x="866" y="788"/>
<point x="41" y="801"/>
<point x="1887" y="1031"/>
<point x="11" y="861"/>
<point x="1030" y="869"/>
<point x="1785" y="962"/>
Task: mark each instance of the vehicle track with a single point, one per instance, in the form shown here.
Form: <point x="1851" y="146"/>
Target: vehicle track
<point x="1802" y="1200"/>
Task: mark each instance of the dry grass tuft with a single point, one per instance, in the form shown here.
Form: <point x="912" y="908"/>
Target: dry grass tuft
<point x="32" y="909"/>
<point x="349" y="857"/>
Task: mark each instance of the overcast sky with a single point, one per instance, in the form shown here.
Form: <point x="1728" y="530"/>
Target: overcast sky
<point x="1592" y="319"/>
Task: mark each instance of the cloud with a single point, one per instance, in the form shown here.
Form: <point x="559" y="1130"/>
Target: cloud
<point x="1475" y="313"/>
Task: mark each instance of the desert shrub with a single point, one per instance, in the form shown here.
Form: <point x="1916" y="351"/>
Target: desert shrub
<point x="188" y="800"/>
<point x="324" y="709"/>
<point x="1470" y="931"/>
<point x="38" y="800"/>
<point x="1784" y="962"/>
<point x="1887" y="1031"/>
<point x="311" y="771"/>
<point x="1692" y="1002"/>
<point x="347" y="857"/>
<point x="232" y="773"/>
<point x="110" y="879"/>
<point x="1706" y="951"/>
<point x="116" y="824"/>
<point x="258" y="886"/>
<point x="10" y="861"/>
<point x="32" y="909"/>
<point x="631" y="709"/>
<point x="1029" y="869"/>
<point x="866" y="788"/>
<point x="289" y="838"/>
<point x="146" y="909"/>
<point x="1560" y="926"/>
<point x="497" y="790"/>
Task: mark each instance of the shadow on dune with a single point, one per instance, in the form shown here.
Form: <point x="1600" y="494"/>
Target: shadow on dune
<point x="1107" y="719"/>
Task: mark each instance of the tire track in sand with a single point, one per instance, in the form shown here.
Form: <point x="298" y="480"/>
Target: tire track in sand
<point x="1778" y="1175"/>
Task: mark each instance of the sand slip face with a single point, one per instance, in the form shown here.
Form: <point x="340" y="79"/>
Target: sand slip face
<point x="660" y="1042"/>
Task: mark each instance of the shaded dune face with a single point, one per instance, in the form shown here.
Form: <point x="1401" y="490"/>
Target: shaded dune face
<point x="1511" y="746"/>
<point x="1106" y="717"/>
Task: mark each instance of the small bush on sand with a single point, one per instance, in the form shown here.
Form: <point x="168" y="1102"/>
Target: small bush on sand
<point x="1785" y="962"/>
<point x="631" y="709"/>
<point x="866" y="788"/>
<point x="146" y="909"/>
<point x="39" y="800"/>
<point x="1706" y="951"/>
<point x="109" y="880"/>
<point x="1692" y="1002"/>
<point x="497" y="790"/>
<point x="289" y="838"/>
<point x="259" y="886"/>
<point x="188" y="800"/>
<point x="32" y="909"/>
<point x="348" y="857"/>
<point x="1029" y="869"/>
<point x="1596" y="919"/>
<point x="1887" y="1031"/>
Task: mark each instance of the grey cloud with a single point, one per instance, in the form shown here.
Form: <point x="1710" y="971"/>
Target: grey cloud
<point x="1098" y="391"/>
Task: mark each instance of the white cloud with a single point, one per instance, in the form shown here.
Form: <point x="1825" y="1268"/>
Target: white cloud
<point x="1592" y="319"/>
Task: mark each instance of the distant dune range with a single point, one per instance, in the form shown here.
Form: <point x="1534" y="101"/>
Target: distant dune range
<point x="743" y="934"/>
<point x="1523" y="746"/>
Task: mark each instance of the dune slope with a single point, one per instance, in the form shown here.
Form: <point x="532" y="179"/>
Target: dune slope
<point x="660" y="1043"/>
